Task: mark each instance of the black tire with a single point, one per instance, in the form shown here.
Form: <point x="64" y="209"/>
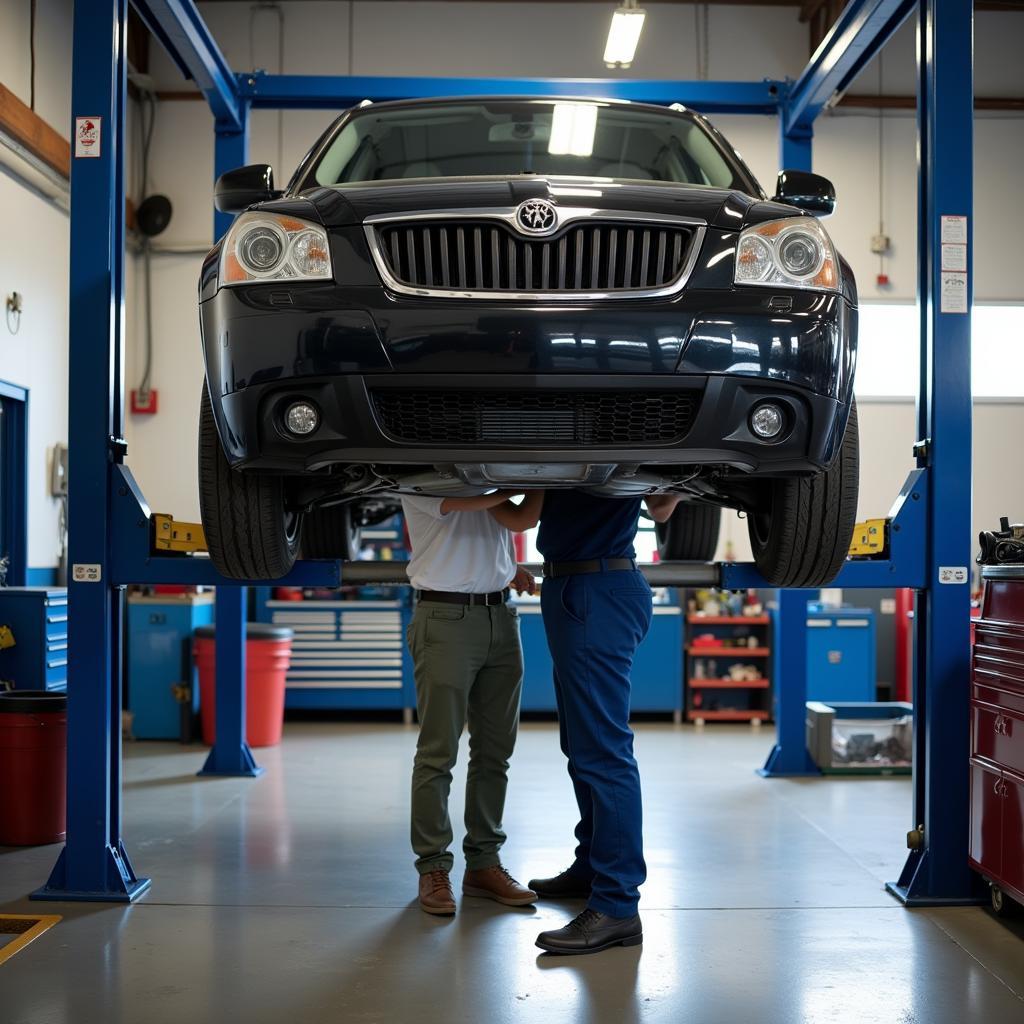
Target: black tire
<point x="249" y="532"/>
<point x="801" y="537"/>
<point x="690" y="534"/>
<point x="330" y="533"/>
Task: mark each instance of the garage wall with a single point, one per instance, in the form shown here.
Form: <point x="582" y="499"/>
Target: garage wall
<point x="34" y="261"/>
<point x="566" y="39"/>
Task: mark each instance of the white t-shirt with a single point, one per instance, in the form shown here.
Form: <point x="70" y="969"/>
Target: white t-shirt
<point x="462" y="552"/>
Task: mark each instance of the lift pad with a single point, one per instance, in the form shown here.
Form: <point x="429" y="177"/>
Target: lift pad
<point x="870" y="539"/>
<point x="171" y="536"/>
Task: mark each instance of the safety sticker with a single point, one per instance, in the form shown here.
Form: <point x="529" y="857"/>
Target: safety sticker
<point x="952" y="292"/>
<point x="953" y="229"/>
<point x="87" y="572"/>
<point x="953" y="574"/>
<point x="954" y="256"/>
<point x="88" y="136"/>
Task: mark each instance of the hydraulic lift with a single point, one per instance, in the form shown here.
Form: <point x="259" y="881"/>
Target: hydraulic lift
<point x="114" y="537"/>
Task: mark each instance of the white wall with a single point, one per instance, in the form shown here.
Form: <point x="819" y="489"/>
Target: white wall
<point x="503" y="39"/>
<point x="34" y="261"/>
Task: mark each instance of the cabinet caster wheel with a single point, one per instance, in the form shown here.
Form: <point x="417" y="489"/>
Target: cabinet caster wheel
<point x="1002" y="905"/>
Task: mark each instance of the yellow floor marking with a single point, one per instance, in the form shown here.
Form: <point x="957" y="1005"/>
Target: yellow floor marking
<point x="27" y="928"/>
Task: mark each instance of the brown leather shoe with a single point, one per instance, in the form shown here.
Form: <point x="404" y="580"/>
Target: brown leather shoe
<point x="436" y="896"/>
<point x="497" y="884"/>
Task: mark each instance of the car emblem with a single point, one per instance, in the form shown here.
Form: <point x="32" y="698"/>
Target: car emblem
<point x="536" y="217"/>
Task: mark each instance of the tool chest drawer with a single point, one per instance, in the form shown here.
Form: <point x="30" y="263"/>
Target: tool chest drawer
<point x="346" y="654"/>
<point x="998" y="736"/>
<point x="36" y="620"/>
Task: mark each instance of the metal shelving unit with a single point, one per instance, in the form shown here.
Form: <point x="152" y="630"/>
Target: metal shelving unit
<point x="702" y="691"/>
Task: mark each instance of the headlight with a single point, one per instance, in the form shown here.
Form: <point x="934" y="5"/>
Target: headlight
<point x="271" y="247"/>
<point x="795" y="252"/>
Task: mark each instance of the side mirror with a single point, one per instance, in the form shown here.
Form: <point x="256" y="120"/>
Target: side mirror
<point x="238" y="189"/>
<point x="810" y="192"/>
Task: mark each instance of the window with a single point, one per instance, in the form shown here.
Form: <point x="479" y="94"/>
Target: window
<point x="889" y="351"/>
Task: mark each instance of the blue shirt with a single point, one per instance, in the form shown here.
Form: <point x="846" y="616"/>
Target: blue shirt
<point x="576" y="526"/>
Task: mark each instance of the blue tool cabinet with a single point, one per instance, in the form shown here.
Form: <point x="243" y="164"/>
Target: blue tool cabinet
<point x="657" y="668"/>
<point x="840" y="654"/>
<point x="38" y="618"/>
<point x="346" y="654"/>
<point x="160" y="661"/>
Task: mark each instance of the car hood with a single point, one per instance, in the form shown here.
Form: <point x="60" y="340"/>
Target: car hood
<point x="351" y="204"/>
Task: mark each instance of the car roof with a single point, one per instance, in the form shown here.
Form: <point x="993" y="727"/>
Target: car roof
<point x="656" y="108"/>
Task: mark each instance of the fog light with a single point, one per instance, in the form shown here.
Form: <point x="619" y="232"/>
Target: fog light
<point x="301" y="418"/>
<point x="767" y="421"/>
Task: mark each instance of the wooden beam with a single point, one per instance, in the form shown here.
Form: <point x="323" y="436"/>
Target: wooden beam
<point x="28" y="129"/>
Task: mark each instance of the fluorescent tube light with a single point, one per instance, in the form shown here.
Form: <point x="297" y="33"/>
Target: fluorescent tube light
<point x="624" y="34"/>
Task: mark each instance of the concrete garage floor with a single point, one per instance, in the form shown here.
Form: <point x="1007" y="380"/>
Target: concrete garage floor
<point x="291" y="898"/>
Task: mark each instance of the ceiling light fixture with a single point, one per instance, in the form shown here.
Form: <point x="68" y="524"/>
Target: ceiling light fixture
<point x="624" y="34"/>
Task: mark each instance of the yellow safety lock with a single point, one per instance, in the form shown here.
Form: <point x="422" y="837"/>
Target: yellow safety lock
<point x="182" y="537"/>
<point x="870" y="539"/>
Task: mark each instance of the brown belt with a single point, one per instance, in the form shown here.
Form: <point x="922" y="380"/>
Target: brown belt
<point x="552" y="569"/>
<point x="450" y="597"/>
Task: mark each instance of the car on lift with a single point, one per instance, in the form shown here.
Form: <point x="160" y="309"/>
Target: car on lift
<point x="455" y="295"/>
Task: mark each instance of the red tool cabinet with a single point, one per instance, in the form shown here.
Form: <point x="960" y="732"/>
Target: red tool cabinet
<point x="997" y="735"/>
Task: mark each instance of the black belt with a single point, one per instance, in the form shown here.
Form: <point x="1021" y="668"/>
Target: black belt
<point x="552" y="569"/>
<point x="450" y="597"/>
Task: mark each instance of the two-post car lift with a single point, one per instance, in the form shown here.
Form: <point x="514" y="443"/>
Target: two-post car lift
<point x="111" y="525"/>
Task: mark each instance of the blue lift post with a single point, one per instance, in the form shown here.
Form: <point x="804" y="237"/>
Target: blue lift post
<point x="231" y="754"/>
<point x="936" y="871"/>
<point x="93" y="864"/>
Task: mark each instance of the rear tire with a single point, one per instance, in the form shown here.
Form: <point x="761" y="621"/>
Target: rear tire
<point x="249" y="532"/>
<point x="801" y="536"/>
<point x="330" y="533"/>
<point x="690" y="534"/>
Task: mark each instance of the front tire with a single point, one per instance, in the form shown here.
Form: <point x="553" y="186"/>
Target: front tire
<point x="331" y="533"/>
<point x="690" y="534"/>
<point x="801" y="535"/>
<point x="250" y="533"/>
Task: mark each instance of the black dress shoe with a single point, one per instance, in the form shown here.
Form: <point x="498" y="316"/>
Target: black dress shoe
<point x="564" y="886"/>
<point x="591" y="932"/>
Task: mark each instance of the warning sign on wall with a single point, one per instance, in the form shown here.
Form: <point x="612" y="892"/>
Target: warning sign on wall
<point x="88" y="136"/>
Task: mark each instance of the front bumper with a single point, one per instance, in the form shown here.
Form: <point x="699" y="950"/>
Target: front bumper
<point x="265" y="345"/>
<point x="351" y="431"/>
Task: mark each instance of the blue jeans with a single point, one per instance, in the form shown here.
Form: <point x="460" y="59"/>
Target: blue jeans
<point x="594" y="624"/>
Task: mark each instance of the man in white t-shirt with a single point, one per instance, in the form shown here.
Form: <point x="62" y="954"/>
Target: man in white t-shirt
<point x="464" y="641"/>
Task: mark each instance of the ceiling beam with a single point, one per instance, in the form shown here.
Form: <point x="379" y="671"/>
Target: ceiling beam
<point x="862" y="29"/>
<point x="180" y="29"/>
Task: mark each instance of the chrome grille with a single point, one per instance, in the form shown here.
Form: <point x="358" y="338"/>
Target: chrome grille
<point x="601" y="417"/>
<point x="487" y="256"/>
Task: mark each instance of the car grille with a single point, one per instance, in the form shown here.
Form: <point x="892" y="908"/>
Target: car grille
<point x="544" y="418"/>
<point x="485" y="256"/>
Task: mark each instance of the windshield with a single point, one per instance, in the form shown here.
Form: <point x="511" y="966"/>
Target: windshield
<point x="450" y="140"/>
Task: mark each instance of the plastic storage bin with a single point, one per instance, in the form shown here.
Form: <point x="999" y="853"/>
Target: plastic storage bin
<point x="860" y="738"/>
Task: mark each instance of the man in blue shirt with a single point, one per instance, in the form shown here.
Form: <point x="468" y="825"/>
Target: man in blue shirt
<point x="597" y="609"/>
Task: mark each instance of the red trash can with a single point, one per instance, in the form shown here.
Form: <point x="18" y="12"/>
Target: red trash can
<point x="33" y="767"/>
<point x="268" y="653"/>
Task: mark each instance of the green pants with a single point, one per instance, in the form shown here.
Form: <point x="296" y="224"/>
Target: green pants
<point x="469" y="670"/>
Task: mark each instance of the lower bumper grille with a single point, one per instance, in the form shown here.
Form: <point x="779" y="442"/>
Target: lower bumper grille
<point x="545" y="418"/>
